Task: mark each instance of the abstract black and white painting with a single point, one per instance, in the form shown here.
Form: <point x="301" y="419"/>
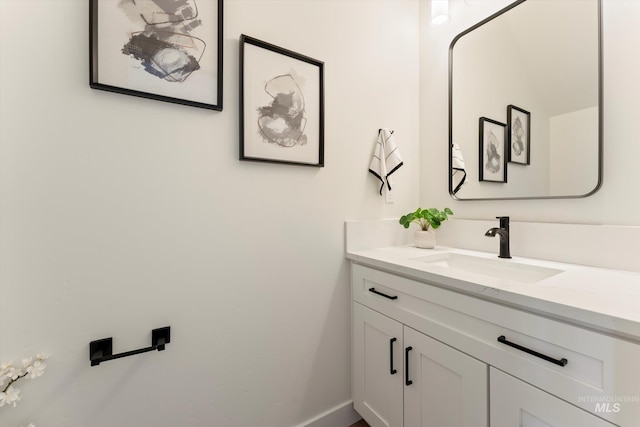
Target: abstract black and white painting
<point x="519" y="124"/>
<point x="167" y="50"/>
<point x="493" y="151"/>
<point x="281" y="105"/>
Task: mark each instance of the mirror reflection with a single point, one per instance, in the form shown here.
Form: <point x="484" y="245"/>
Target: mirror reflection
<point x="525" y="106"/>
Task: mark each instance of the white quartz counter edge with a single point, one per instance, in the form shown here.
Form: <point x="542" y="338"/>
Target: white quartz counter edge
<point x="601" y="299"/>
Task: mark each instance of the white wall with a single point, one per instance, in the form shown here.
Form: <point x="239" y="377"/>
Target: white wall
<point x="617" y="203"/>
<point x="112" y="224"/>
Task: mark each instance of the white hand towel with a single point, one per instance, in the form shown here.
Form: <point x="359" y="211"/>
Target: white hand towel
<point x="458" y="172"/>
<point x="386" y="158"/>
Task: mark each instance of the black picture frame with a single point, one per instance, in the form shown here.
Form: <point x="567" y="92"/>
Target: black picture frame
<point x="493" y="150"/>
<point x="281" y="105"/>
<point x="519" y="135"/>
<point x="137" y="50"/>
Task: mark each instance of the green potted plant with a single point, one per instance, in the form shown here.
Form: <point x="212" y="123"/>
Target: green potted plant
<point x="428" y="220"/>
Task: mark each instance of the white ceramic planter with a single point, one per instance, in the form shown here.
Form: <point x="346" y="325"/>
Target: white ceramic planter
<point x="425" y="239"/>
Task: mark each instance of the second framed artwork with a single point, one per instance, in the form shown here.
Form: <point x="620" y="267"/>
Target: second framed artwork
<point x="281" y="105"/>
<point x="519" y="122"/>
<point x="493" y="150"/>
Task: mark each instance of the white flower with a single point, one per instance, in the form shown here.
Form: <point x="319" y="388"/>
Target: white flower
<point x="4" y="368"/>
<point x="14" y="372"/>
<point x="37" y="369"/>
<point x="10" y="374"/>
<point x="10" y="397"/>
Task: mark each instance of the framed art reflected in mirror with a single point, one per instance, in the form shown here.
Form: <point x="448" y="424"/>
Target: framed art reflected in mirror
<point x="519" y="135"/>
<point x="493" y="150"/>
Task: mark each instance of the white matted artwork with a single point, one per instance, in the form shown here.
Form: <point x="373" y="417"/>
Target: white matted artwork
<point x="281" y="105"/>
<point x="167" y="50"/>
<point x="493" y="151"/>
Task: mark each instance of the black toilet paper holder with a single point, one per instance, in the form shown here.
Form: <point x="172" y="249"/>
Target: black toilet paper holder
<point x="102" y="350"/>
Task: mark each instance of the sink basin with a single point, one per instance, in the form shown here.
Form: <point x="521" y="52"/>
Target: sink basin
<point x="494" y="268"/>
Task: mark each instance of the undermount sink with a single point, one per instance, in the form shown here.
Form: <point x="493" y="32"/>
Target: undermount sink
<point x="497" y="269"/>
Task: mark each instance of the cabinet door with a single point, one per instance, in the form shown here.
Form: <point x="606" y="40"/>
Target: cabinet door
<point x="377" y="367"/>
<point x="516" y="403"/>
<point x="443" y="386"/>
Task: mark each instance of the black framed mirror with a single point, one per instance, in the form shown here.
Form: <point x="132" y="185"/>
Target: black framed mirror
<point x="535" y="67"/>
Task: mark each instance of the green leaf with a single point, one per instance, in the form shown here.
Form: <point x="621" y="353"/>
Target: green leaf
<point x="425" y="218"/>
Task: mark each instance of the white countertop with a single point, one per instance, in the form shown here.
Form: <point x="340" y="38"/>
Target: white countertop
<point x="597" y="298"/>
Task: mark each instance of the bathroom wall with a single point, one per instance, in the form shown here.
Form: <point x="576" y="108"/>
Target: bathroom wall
<point x="120" y="214"/>
<point x="617" y="202"/>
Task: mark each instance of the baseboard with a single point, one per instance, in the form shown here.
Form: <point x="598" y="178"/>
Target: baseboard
<point x="342" y="415"/>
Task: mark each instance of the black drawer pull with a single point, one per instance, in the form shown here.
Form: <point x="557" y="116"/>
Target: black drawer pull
<point x="391" y="369"/>
<point x="407" y="381"/>
<point x="561" y="362"/>
<point x="381" y="294"/>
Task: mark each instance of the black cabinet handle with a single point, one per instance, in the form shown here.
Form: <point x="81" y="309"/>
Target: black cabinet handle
<point x="560" y="362"/>
<point x="381" y="294"/>
<point x="407" y="381"/>
<point x="391" y="370"/>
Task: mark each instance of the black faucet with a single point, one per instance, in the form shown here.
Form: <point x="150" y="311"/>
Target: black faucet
<point x="503" y="232"/>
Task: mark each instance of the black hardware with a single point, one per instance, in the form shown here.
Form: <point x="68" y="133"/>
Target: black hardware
<point x="391" y="370"/>
<point x="102" y="350"/>
<point x="504" y="221"/>
<point x="503" y="233"/>
<point x="380" y="130"/>
<point x="559" y="362"/>
<point x="381" y="294"/>
<point x="407" y="381"/>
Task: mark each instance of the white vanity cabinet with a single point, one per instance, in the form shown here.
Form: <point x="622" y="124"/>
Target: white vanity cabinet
<point x="516" y="403"/>
<point x="405" y="378"/>
<point x="473" y="362"/>
<point x="377" y="368"/>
